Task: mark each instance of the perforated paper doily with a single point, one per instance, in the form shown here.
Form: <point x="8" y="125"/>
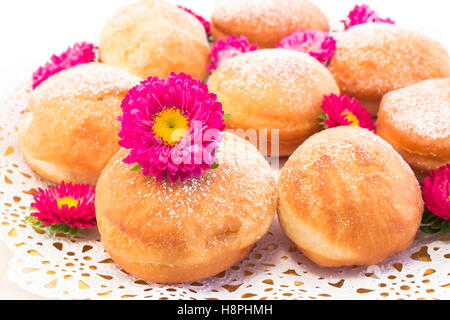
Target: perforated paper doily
<point x="56" y="266"/>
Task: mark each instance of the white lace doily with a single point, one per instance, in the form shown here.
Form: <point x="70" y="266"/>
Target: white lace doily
<point x="55" y="266"/>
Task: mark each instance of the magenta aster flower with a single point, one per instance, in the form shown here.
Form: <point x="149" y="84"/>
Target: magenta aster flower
<point x="318" y="44"/>
<point x="228" y="48"/>
<point x="64" y="208"/>
<point x="345" y="111"/>
<point x="202" y="20"/>
<point x="436" y="192"/>
<point x="79" y="53"/>
<point x="363" y="14"/>
<point x="172" y="127"/>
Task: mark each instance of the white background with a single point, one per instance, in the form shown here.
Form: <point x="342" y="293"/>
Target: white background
<point x="32" y="30"/>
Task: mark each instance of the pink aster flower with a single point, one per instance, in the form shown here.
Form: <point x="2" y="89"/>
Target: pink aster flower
<point x="64" y="208"/>
<point x="172" y="127"/>
<point x="363" y="14"/>
<point x="228" y="48"/>
<point x="202" y="20"/>
<point x="436" y="192"/>
<point x="345" y="111"/>
<point x="77" y="54"/>
<point x="318" y="44"/>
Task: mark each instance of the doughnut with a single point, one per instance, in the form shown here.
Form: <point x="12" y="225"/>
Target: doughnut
<point x="348" y="198"/>
<point x="273" y="89"/>
<point x="69" y="131"/>
<point x="416" y="122"/>
<point x="265" y="22"/>
<point x="373" y="59"/>
<point x="173" y="233"/>
<point x="154" y="38"/>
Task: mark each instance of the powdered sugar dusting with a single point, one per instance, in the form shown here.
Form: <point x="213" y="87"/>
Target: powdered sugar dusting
<point x="235" y="198"/>
<point x="91" y="79"/>
<point x="420" y="110"/>
<point x="155" y="38"/>
<point x="351" y="155"/>
<point x="266" y="74"/>
<point x="72" y="121"/>
<point x="272" y="14"/>
<point x="374" y="58"/>
<point x="171" y="19"/>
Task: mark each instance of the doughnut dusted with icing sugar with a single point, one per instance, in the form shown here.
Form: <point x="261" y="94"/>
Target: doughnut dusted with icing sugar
<point x="70" y="130"/>
<point x="348" y="198"/>
<point x="172" y="233"/>
<point x="265" y="22"/>
<point x="416" y="122"/>
<point x="273" y="89"/>
<point x="373" y="59"/>
<point x="155" y="38"/>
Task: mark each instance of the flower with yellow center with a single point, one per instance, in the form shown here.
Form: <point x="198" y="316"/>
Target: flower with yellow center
<point x="170" y="125"/>
<point x="63" y="209"/>
<point x="159" y="138"/>
<point x="68" y="201"/>
<point x="354" y="122"/>
<point x="343" y="110"/>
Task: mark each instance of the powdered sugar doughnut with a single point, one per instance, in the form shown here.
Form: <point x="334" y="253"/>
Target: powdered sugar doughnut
<point x="373" y="59"/>
<point x="348" y="198"/>
<point x="273" y="89"/>
<point x="70" y="130"/>
<point x="416" y="122"/>
<point x="265" y="22"/>
<point x="170" y="233"/>
<point x="154" y="38"/>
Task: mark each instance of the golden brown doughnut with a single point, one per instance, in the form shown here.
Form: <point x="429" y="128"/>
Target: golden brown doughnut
<point x="154" y="38"/>
<point x="170" y="233"/>
<point x="416" y="122"/>
<point x="348" y="198"/>
<point x="69" y="131"/>
<point x="373" y="59"/>
<point x="273" y="89"/>
<point x="265" y="22"/>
